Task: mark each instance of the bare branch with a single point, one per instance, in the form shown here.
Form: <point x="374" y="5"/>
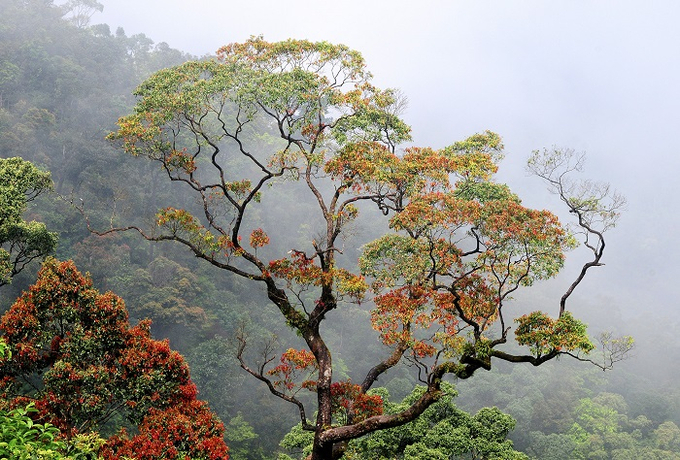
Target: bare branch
<point x="614" y="349"/>
<point x="259" y="374"/>
<point x="596" y="206"/>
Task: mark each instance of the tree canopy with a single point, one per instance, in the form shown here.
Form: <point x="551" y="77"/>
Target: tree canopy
<point x="20" y="241"/>
<point x="302" y="121"/>
<point x="73" y="353"/>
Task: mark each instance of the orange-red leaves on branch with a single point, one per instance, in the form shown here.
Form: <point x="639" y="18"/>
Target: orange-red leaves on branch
<point x="292" y="364"/>
<point x="400" y="313"/>
<point x="180" y="160"/>
<point x="301" y="272"/>
<point x="299" y="269"/>
<point x="177" y="433"/>
<point x="363" y="165"/>
<point x="258" y="238"/>
<point x="348" y="400"/>
<point x="138" y="133"/>
<point x="61" y="305"/>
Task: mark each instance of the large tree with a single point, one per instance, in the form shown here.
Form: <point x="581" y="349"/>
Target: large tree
<point x="301" y="123"/>
<point x="75" y="356"/>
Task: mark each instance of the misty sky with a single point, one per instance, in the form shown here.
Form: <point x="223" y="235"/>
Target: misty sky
<point x="596" y="76"/>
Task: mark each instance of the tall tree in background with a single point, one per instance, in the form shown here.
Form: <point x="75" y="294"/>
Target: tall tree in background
<point x="80" y="12"/>
<point x="75" y="356"/>
<point x="20" y="241"/>
<point x="301" y="120"/>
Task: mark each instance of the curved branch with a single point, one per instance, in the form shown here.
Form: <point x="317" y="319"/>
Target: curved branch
<point x="533" y="360"/>
<point x="431" y="395"/>
<point x="258" y="374"/>
<point x="592" y="203"/>
<point x="383" y="366"/>
<point x="381" y="422"/>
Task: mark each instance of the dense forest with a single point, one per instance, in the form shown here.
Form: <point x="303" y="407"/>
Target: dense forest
<point x="64" y="85"/>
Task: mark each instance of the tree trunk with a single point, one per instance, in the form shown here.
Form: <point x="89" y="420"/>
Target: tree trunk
<point x="320" y="451"/>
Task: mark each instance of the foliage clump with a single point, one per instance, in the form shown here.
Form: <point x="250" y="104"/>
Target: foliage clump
<point x="443" y="431"/>
<point x="20" y="241"/>
<point x="74" y="355"/>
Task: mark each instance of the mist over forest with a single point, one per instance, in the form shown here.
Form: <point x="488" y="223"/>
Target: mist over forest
<point x="596" y="79"/>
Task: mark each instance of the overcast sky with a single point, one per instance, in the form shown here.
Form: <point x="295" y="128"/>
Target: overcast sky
<point x="597" y="76"/>
<point x="600" y="76"/>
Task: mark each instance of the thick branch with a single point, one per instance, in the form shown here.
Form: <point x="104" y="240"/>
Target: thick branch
<point x="533" y="360"/>
<point x="381" y="422"/>
<point x="383" y="366"/>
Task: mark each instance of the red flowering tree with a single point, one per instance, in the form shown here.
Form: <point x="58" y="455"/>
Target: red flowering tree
<point x="189" y="430"/>
<point x="75" y="355"/>
<point x="265" y="116"/>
